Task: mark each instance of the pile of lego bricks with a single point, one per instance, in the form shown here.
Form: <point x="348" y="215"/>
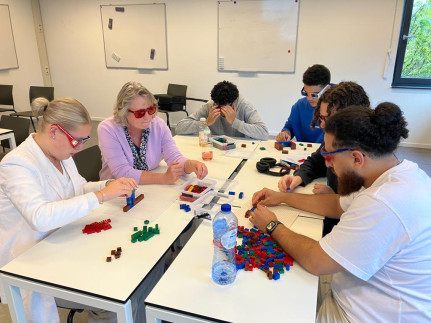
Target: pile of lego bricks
<point x="192" y="189"/>
<point x="97" y="226"/>
<point x="145" y="234"/>
<point x="115" y="253"/>
<point x="259" y="250"/>
<point x="284" y="145"/>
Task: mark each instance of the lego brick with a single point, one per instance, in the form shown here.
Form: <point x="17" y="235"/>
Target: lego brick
<point x="137" y="200"/>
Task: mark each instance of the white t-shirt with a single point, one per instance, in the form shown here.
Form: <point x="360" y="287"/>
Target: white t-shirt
<point x="383" y="240"/>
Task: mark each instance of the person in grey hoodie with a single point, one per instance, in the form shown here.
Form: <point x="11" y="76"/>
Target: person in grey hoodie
<point x="227" y="113"/>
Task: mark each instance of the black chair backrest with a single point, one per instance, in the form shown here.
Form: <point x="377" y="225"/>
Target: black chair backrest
<point x="20" y="127"/>
<point x="89" y="163"/>
<point x="41" y="91"/>
<point x="6" y="97"/>
<point x="177" y="90"/>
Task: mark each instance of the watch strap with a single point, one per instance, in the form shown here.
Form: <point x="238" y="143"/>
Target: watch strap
<point x="274" y="225"/>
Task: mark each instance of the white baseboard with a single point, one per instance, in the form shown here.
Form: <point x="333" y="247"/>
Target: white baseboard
<point x="415" y="145"/>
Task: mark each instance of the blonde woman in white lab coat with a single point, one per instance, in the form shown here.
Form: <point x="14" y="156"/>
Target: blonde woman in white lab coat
<point x="41" y="189"/>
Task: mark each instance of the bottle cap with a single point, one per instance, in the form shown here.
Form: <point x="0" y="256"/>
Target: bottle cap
<point x="203" y="119"/>
<point x="225" y="207"/>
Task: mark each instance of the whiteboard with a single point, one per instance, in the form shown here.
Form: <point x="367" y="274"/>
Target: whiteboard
<point x="8" y="57"/>
<point x="135" y="36"/>
<point x="257" y="35"/>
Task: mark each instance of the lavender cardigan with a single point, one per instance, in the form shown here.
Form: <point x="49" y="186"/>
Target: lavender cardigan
<point x="117" y="158"/>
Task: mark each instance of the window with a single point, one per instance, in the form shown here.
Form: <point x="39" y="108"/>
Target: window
<point x="413" y="62"/>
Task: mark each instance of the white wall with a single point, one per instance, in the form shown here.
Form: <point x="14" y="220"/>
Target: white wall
<point x="29" y="71"/>
<point x="351" y="37"/>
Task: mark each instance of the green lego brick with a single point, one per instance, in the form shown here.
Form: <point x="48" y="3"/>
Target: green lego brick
<point x="148" y="236"/>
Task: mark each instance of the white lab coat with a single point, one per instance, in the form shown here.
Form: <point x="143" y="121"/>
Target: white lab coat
<point x="33" y="204"/>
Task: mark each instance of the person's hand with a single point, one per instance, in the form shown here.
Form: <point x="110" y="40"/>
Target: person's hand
<point x="229" y="112"/>
<point x="194" y="166"/>
<point x="267" y="197"/>
<point x="120" y="187"/>
<point x="289" y="182"/>
<point x="174" y="172"/>
<point x="322" y="189"/>
<point x="213" y="115"/>
<point x="283" y="136"/>
<point x="261" y="217"/>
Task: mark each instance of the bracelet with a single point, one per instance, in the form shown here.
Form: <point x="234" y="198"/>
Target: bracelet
<point x="109" y="181"/>
<point x="103" y="197"/>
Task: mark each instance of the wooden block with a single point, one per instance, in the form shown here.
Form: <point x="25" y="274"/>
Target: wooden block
<point x="137" y="200"/>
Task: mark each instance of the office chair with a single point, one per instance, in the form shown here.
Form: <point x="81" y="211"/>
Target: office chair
<point x="6" y="98"/>
<point x="19" y="126"/>
<point x="173" y="101"/>
<point x="36" y="92"/>
<point x="89" y="163"/>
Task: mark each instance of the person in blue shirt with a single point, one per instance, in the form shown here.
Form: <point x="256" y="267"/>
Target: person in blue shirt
<point x="316" y="81"/>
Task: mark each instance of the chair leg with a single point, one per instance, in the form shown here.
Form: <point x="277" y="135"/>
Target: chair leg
<point x="71" y="314"/>
<point x="32" y="123"/>
<point x="167" y="120"/>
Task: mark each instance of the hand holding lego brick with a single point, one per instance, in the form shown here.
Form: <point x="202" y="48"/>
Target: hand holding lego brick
<point x="283" y="136"/>
<point x="267" y="197"/>
<point x="194" y="166"/>
<point x="261" y="217"/>
<point x="120" y="187"/>
<point x="289" y="182"/>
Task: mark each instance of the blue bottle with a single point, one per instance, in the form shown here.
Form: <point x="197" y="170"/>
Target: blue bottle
<point x="225" y="226"/>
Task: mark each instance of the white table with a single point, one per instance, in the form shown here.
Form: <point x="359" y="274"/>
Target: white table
<point x="186" y="292"/>
<point x="9" y="135"/>
<point x="71" y="265"/>
<point x="224" y="162"/>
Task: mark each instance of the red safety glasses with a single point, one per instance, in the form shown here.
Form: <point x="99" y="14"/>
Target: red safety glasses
<point x="323" y="118"/>
<point x="74" y="142"/>
<point x="141" y="113"/>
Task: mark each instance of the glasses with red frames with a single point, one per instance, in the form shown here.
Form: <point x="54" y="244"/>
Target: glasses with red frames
<point x="74" y="142"/>
<point x="141" y="113"/>
<point x="328" y="155"/>
<point x="323" y="118"/>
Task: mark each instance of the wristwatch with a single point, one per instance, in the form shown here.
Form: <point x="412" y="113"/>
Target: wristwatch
<point x="271" y="226"/>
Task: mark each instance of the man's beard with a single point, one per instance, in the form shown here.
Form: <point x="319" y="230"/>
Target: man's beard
<point x="349" y="182"/>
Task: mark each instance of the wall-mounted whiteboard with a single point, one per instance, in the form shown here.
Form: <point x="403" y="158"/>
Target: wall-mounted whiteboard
<point x="257" y="35"/>
<point x="135" y="36"/>
<point x="8" y="57"/>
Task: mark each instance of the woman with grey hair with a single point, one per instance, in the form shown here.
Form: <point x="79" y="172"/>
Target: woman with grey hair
<point x="41" y="189"/>
<point x="134" y="140"/>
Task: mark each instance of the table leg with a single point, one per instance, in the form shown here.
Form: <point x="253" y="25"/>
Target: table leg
<point x="14" y="300"/>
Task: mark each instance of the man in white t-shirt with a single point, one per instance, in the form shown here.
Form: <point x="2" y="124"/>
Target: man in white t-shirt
<point x="380" y="251"/>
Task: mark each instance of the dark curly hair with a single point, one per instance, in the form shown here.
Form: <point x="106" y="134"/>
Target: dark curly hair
<point x="224" y="93"/>
<point x="376" y="132"/>
<point x="339" y="97"/>
<point x="317" y="75"/>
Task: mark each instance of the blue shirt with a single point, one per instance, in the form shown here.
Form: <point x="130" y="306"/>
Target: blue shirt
<point x="299" y="123"/>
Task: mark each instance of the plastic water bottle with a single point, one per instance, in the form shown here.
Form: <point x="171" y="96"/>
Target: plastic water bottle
<point x="225" y="226"/>
<point x="204" y="132"/>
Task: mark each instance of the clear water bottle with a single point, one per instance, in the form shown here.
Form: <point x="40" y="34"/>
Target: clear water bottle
<point x="225" y="226"/>
<point x="204" y="132"/>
